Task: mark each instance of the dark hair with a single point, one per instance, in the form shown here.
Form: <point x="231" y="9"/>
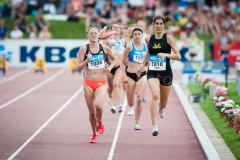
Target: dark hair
<point x="137" y="29"/>
<point x="166" y="20"/>
<point x="93" y="27"/>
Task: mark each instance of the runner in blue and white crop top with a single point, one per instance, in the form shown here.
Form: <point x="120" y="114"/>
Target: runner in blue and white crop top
<point x="137" y="55"/>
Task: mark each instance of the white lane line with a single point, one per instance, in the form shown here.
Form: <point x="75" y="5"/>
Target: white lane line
<point x="110" y="156"/>
<point x="46" y="123"/>
<point x="202" y="136"/>
<point x="34" y="88"/>
<point x="16" y="75"/>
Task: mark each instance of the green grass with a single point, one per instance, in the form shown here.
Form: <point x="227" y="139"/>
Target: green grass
<point x="59" y="29"/>
<point x="228" y="134"/>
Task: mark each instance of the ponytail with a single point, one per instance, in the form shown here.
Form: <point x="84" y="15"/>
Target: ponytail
<point x="166" y="20"/>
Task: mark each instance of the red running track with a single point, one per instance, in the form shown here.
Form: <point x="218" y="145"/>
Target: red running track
<point x="67" y="135"/>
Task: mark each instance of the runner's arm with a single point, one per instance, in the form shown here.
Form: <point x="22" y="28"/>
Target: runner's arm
<point x="176" y="55"/>
<point x="81" y="63"/>
<point x="113" y="58"/>
<point x="124" y="58"/>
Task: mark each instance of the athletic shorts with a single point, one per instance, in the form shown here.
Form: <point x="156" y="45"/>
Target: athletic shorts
<point x="165" y="77"/>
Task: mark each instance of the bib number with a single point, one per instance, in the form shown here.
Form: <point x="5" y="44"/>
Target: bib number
<point x="96" y="62"/>
<point x="138" y="58"/>
<point x="157" y="64"/>
<point x="118" y="48"/>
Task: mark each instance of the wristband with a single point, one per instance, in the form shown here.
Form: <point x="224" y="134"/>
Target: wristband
<point x="85" y="62"/>
<point x="124" y="75"/>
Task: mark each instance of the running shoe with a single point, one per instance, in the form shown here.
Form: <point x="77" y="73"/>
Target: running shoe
<point x="137" y="127"/>
<point x="131" y="112"/>
<point x="93" y="139"/>
<point x="155" y="130"/>
<point x="113" y="109"/>
<point x="144" y="100"/>
<point x="120" y="109"/>
<point x="100" y="127"/>
<point x="111" y="101"/>
<point x="161" y="112"/>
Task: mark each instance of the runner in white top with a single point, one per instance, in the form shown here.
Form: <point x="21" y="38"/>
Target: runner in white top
<point x="114" y="78"/>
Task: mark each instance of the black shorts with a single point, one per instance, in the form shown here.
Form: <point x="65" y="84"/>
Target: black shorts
<point x="114" y="69"/>
<point x="134" y="76"/>
<point x="193" y="55"/>
<point x="165" y="77"/>
<point x="223" y="52"/>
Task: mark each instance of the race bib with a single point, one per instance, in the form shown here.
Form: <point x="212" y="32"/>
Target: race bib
<point x="138" y="58"/>
<point x="96" y="62"/>
<point x="118" y="48"/>
<point x="157" y="64"/>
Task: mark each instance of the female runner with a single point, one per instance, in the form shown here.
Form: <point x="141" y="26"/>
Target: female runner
<point x="92" y="56"/>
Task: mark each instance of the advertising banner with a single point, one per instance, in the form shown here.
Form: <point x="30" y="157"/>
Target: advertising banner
<point x="57" y="53"/>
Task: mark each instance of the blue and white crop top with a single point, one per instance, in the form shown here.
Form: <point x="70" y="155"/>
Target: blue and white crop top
<point x="137" y="55"/>
<point x="118" y="47"/>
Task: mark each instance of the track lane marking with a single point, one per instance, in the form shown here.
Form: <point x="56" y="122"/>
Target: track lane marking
<point x="110" y="156"/>
<point x="46" y="123"/>
<point x="34" y="88"/>
<point x="16" y="75"/>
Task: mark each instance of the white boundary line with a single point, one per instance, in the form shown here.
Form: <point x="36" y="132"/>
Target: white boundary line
<point x="46" y="123"/>
<point x="16" y="75"/>
<point x="202" y="136"/>
<point x="110" y="156"/>
<point x="34" y="88"/>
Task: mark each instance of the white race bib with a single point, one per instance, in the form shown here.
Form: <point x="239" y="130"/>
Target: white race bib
<point x="157" y="64"/>
<point x="96" y="62"/>
<point x="118" y="48"/>
<point x="138" y="58"/>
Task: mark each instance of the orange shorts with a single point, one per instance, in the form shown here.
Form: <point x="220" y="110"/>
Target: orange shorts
<point x="94" y="84"/>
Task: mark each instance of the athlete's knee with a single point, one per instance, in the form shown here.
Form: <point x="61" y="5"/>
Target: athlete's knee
<point x="97" y="106"/>
<point x="139" y="99"/>
<point x="92" y="113"/>
<point x="116" y="85"/>
<point x="130" y="103"/>
<point x="155" y="96"/>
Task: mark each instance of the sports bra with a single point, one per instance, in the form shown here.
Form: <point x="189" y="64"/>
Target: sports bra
<point x="118" y="47"/>
<point x="98" y="59"/>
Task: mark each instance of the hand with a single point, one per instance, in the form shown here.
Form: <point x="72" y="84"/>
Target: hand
<point x="161" y="55"/>
<point x="89" y="56"/>
<point x="107" y="67"/>
<point x="139" y="72"/>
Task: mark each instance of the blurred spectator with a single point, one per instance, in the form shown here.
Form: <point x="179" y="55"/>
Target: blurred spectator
<point x="33" y="32"/>
<point x="237" y="7"/>
<point x="121" y="13"/>
<point x="16" y="33"/>
<point x="32" y="5"/>
<point x="20" y="17"/>
<point x="184" y="45"/>
<point x="224" y="41"/>
<point x="140" y="13"/>
<point x="194" y="45"/>
<point x="237" y="34"/>
<point x="3" y="30"/>
<point x="89" y="5"/>
<point x="45" y="33"/>
<point x="40" y="21"/>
